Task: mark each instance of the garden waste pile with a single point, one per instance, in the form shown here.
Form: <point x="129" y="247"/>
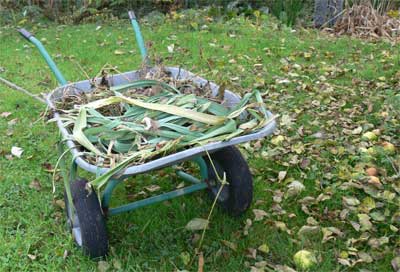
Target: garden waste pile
<point x="152" y="117"/>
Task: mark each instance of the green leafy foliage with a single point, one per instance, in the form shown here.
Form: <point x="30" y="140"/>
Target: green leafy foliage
<point x="287" y="10"/>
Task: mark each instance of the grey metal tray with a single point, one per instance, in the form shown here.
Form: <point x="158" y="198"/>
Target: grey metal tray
<point x="230" y="99"/>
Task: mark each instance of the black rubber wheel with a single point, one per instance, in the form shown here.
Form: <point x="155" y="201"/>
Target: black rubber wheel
<point x="235" y="197"/>
<point x="89" y="227"/>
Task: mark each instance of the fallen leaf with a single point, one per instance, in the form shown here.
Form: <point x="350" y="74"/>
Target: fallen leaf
<point x="32" y="257"/>
<point x="16" y="151"/>
<point x="281" y="226"/>
<point x="378" y="216"/>
<point x="48" y="167"/>
<point x="367" y="204"/>
<point x="277" y="198"/>
<point x="355" y="225"/>
<point x="119" y="52"/>
<point x="197" y="224"/>
<point x="35" y="184"/>
<point x="284" y="268"/>
<point x="286" y="120"/>
<point x="171" y="48"/>
<point x="378" y="242"/>
<point x="356" y="131"/>
<point x="364" y="222"/>
<point x="60" y="203"/>
<point x="185" y="257"/>
<point x="153" y="188"/>
<point x="102" y="266"/>
<point x="308" y="231"/>
<point x="117" y="264"/>
<point x="263" y="248"/>
<point x="329" y="232"/>
<point x="65" y="255"/>
<point x="277" y="140"/>
<point x="295" y="188"/>
<point x="229" y="244"/>
<point x="307" y="55"/>
<point x="251" y="253"/>
<point x="393" y="228"/>
<point x="282" y="175"/>
<point x="365" y="257"/>
<point x="312" y="222"/>
<point x="247" y="227"/>
<point x="396" y="264"/>
<point x="5" y="114"/>
<point x="350" y="201"/>
<point x="259" y="214"/>
<point x="344" y="262"/>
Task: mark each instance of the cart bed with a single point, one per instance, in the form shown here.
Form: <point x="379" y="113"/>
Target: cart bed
<point x="230" y="100"/>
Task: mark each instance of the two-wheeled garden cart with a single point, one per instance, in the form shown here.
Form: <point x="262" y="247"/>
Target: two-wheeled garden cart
<point x="86" y="214"/>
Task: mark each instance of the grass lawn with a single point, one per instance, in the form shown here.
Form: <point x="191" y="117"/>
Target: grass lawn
<point x="328" y="92"/>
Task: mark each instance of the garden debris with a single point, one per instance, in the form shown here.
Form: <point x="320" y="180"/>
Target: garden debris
<point x="5" y="114"/>
<point x="197" y="224"/>
<point x="364" y="21"/>
<point x="35" y="184"/>
<point x="259" y="214"/>
<point x="229" y="244"/>
<point x="21" y="90"/>
<point x="152" y="117"/>
<point x="16" y="151"/>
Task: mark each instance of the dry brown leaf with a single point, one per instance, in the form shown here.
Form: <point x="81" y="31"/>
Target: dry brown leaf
<point x="35" y="184"/>
<point x="197" y="224"/>
<point x="229" y="244"/>
<point x="259" y="214"/>
<point x="153" y="188"/>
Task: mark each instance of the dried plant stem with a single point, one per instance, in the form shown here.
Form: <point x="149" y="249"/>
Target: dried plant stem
<point x="82" y="70"/>
<point x="223" y="183"/>
<point x="21" y="90"/>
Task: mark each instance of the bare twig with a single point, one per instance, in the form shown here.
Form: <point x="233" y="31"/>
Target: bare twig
<point x="21" y="90"/>
<point x="82" y="70"/>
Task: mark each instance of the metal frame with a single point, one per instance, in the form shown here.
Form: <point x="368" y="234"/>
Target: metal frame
<point x="113" y="183"/>
<point x="194" y="154"/>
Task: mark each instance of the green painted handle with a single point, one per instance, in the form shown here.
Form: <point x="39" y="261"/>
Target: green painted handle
<point x="25" y="33"/>
<point x="138" y="34"/>
<point x="53" y="67"/>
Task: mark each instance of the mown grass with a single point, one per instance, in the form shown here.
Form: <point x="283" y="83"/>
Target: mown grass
<point x="153" y="238"/>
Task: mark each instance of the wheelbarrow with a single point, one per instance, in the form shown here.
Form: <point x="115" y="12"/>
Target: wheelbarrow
<point x="86" y="214"/>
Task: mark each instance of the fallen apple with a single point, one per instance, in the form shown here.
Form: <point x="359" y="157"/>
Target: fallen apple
<point x="369" y="136"/>
<point x="371" y="171"/>
<point x="304" y="259"/>
<point x="388" y="147"/>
